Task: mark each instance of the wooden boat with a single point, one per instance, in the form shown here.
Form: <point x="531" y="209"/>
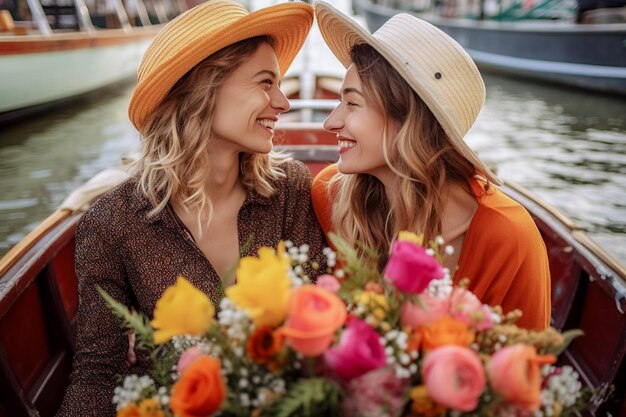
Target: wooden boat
<point x="39" y="300"/>
<point x="42" y="68"/>
<point x="589" y="56"/>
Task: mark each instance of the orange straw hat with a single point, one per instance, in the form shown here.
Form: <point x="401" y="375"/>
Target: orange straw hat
<point x="205" y="29"/>
<point x="435" y="66"/>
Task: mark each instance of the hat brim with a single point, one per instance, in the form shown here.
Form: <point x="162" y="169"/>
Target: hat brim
<point x="288" y="24"/>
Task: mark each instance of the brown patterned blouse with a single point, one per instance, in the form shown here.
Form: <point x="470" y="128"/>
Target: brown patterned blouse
<point x="135" y="258"/>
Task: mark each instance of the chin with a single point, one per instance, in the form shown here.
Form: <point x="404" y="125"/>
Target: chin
<point x="346" y="168"/>
<point x="260" y="146"/>
<point x="264" y="149"/>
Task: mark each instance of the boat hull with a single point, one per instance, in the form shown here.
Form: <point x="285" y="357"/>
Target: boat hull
<point x="585" y="56"/>
<point x="41" y="71"/>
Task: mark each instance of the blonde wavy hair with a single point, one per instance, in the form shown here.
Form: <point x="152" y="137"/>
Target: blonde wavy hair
<point x="421" y="156"/>
<point x="174" y="162"/>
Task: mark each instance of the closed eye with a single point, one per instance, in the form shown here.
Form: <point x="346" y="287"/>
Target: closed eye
<point x="347" y="102"/>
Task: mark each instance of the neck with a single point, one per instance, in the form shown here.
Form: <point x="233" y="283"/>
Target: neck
<point x="223" y="178"/>
<point x="459" y="205"/>
<point x="222" y="181"/>
<point x="458" y="210"/>
<point x="389" y="181"/>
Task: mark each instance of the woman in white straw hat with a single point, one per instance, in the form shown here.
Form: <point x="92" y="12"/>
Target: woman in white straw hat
<point x="408" y="98"/>
<point x="207" y="185"/>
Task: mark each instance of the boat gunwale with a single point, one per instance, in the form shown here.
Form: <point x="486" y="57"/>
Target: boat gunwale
<point x="595" y="261"/>
<point x="34" y="259"/>
<point x="32" y="44"/>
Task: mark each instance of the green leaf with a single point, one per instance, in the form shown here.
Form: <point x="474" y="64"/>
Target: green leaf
<point x="131" y="320"/>
<point x="163" y="358"/>
<point x="568" y="336"/>
<point x="312" y="397"/>
<point x="359" y="269"/>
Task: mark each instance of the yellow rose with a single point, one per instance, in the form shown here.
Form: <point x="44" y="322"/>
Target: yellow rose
<point x="182" y="309"/>
<point x="263" y="287"/>
<point x="411" y="237"/>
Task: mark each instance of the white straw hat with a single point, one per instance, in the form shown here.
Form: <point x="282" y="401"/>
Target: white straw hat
<point x="435" y="66"/>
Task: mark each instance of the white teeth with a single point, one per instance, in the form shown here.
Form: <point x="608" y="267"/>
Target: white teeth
<point x="346" y="144"/>
<point x="267" y="123"/>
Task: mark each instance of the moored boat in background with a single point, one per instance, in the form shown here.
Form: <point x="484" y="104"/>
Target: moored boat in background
<point x="43" y="64"/>
<point x="590" y="56"/>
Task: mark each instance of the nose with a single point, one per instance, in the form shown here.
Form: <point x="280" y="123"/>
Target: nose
<point x="279" y="101"/>
<point x="334" y="121"/>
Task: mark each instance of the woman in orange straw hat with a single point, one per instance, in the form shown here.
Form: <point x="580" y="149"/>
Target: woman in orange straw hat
<point x="207" y="183"/>
<point x="408" y="98"/>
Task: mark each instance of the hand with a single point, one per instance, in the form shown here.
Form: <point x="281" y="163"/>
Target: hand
<point x="131" y="356"/>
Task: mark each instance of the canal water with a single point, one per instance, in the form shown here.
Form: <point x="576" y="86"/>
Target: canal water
<point x="566" y="146"/>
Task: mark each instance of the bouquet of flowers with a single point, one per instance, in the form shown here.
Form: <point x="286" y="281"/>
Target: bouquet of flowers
<point x="357" y="343"/>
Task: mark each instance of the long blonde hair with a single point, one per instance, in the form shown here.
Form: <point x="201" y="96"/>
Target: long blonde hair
<point x="175" y="163"/>
<point x="421" y="156"/>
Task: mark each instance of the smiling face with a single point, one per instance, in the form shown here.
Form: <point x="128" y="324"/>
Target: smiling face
<point x="248" y="103"/>
<point x="359" y="127"/>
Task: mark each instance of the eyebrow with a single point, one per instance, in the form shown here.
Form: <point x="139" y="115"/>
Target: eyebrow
<point x="352" y="90"/>
<point x="268" y="72"/>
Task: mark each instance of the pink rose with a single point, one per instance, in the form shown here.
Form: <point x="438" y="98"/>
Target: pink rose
<point x="454" y="377"/>
<point x="515" y="374"/>
<point x="328" y="282"/>
<point x="375" y="393"/>
<point x="359" y="351"/>
<point x="187" y="358"/>
<point x="429" y="310"/>
<point x="466" y="307"/>
<point x="410" y="269"/>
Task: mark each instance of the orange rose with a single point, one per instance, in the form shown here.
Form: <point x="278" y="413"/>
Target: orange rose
<point x="131" y="410"/>
<point x="200" y="390"/>
<point x="315" y="314"/>
<point x="515" y="374"/>
<point x="415" y="342"/>
<point x="263" y="344"/>
<point x="150" y="408"/>
<point x="446" y="331"/>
